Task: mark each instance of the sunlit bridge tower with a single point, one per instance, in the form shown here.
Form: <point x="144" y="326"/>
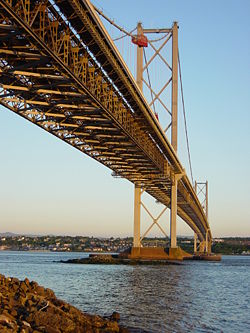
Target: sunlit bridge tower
<point x="171" y="36"/>
<point x="201" y="190"/>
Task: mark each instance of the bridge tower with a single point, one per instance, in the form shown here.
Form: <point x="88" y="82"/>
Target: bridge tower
<point x="174" y="131"/>
<point x="174" y="109"/>
<point x="201" y="190"/>
<point x="138" y="189"/>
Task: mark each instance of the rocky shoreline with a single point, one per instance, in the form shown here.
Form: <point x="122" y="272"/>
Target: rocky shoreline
<point x="109" y="259"/>
<point x="26" y="307"/>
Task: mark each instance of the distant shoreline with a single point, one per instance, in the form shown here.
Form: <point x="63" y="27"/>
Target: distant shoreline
<point x="80" y="244"/>
<point x="49" y="251"/>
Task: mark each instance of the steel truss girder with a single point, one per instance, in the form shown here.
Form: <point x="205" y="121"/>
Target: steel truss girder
<point x="126" y="121"/>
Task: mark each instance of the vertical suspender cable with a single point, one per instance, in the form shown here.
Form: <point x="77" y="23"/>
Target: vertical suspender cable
<point x="144" y="53"/>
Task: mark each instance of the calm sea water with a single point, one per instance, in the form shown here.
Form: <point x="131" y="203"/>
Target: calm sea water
<point x="193" y="297"/>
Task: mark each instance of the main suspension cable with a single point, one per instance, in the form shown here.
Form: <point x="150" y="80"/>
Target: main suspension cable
<point x="158" y="39"/>
<point x="113" y="23"/>
<point x="125" y="32"/>
<point x="124" y="35"/>
<point x="185" y="120"/>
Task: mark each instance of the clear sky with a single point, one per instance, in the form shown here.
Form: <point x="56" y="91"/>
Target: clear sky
<point x="48" y="187"/>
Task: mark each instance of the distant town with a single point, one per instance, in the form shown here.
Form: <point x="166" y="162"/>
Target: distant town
<point x="12" y="242"/>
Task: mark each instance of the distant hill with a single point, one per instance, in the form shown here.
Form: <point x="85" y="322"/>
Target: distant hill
<point x="12" y="234"/>
<point x="7" y="234"/>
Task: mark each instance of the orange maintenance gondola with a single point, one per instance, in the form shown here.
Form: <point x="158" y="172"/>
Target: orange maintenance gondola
<point x="140" y="40"/>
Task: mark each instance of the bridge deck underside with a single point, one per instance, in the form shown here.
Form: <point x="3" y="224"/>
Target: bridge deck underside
<point x="57" y="76"/>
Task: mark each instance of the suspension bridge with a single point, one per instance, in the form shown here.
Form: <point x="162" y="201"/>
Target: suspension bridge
<point x="61" y="70"/>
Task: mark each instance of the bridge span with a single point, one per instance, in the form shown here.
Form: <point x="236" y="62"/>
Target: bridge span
<point x="60" y="70"/>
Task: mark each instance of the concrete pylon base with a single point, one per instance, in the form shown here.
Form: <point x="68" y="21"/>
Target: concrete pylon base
<point x="156" y="253"/>
<point x="177" y="253"/>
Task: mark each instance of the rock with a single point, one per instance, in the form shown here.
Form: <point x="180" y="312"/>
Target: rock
<point x="27" y="282"/>
<point x="40" y="290"/>
<point x="26" y="307"/>
<point x="7" y="322"/>
<point x="115" y="316"/>
<point x="4" y="319"/>
<point x="50" y="329"/>
<point x="49" y="293"/>
<point x="33" y="284"/>
<point x="13" y="312"/>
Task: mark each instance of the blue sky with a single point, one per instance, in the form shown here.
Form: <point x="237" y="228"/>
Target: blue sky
<point x="48" y="187"/>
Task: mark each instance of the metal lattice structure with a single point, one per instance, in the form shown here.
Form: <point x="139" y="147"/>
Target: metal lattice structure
<point x="201" y="189"/>
<point x="60" y="70"/>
